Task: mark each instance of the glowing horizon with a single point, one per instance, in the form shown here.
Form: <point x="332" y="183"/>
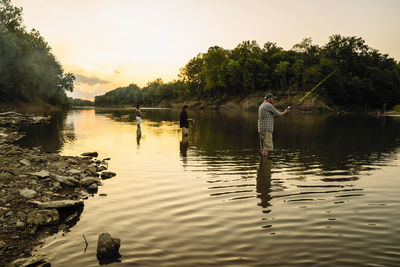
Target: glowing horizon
<point x="108" y="44"/>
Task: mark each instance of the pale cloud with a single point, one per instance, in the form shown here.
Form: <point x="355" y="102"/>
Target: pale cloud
<point x="89" y="80"/>
<point x="87" y="92"/>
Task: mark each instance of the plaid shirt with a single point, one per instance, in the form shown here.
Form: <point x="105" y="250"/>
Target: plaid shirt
<point x="266" y="118"/>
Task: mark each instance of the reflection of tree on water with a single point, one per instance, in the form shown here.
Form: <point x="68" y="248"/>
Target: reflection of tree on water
<point x="264" y="182"/>
<point x="49" y="136"/>
<point x="337" y="142"/>
<point x="327" y="142"/>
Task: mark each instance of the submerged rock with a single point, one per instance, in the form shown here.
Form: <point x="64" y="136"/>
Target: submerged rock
<point x="43" y="217"/>
<point x="107" y="247"/>
<point x="107" y="175"/>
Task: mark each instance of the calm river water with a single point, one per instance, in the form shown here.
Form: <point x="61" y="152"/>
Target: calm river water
<point x="330" y="195"/>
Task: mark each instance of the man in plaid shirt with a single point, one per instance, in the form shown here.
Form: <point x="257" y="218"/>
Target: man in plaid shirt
<point x="266" y="115"/>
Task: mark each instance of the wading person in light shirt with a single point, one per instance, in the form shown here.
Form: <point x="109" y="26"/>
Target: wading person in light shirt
<point x="139" y="115"/>
<point x="266" y="116"/>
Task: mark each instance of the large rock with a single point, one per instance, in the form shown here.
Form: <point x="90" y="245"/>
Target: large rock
<point x="58" y="204"/>
<point x="43" y="217"/>
<point x="107" y="247"/>
<point x="107" y="175"/>
<point x="28" y="193"/>
<point x="88" y="181"/>
<point x="41" y="174"/>
<point x="65" y="180"/>
<point x="90" y="154"/>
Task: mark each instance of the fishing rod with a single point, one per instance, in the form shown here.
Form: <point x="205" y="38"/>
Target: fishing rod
<point x="315" y="87"/>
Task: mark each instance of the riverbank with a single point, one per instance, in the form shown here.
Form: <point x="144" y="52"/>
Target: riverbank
<point x="33" y="107"/>
<point x="252" y="102"/>
<point x="40" y="193"/>
<point x="312" y="104"/>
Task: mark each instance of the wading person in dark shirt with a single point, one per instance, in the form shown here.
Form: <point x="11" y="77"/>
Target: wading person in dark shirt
<point x="184" y="121"/>
<point x="266" y="115"/>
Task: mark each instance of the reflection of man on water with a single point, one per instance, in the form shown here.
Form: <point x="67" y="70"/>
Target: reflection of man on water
<point x="138" y="134"/>
<point x="266" y="115"/>
<point x="264" y="181"/>
<point x="184" y="145"/>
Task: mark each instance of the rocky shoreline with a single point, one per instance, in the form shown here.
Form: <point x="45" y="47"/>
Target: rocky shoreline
<point x="40" y="193"/>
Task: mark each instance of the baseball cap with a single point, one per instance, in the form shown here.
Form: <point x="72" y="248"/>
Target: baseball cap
<point x="269" y="95"/>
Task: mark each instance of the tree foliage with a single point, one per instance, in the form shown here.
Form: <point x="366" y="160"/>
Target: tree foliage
<point x="79" y="102"/>
<point x="152" y="94"/>
<point x="28" y="69"/>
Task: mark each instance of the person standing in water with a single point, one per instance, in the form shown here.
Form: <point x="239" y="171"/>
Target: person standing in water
<point x="139" y="115"/>
<point x="184" y="121"/>
<point x="266" y="115"/>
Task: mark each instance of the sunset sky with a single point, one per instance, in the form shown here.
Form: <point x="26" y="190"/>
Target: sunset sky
<point x="112" y="43"/>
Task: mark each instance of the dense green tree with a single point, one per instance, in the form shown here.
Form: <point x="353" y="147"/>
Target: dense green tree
<point x="213" y="70"/>
<point x="28" y="69"/>
<point x="80" y="102"/>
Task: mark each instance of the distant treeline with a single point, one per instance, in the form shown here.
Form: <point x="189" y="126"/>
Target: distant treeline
<point x="80" y="102"/>
<point x="28" y="70"/>
<point x="364" y="78"/>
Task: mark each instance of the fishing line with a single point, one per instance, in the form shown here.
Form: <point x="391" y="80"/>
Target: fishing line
<point x="315" y="87"/>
